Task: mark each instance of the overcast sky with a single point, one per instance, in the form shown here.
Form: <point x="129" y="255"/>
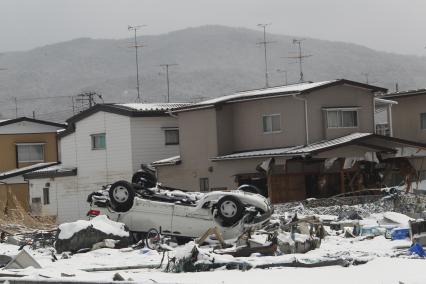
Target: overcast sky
<point x="391" y="25"/>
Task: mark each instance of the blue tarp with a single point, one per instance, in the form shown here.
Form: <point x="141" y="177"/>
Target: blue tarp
<point x="416" y="248"/>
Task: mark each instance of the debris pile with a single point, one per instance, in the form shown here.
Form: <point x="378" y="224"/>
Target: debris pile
<point x="86" y="235"/>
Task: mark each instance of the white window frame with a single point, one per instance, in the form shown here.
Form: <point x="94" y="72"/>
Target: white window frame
<point x="271" y="115"/>
<point x="93" y="137"/>
<point x="30" y="144"/>
<point x="341" y="110"/>
<point x="422" y="127"/>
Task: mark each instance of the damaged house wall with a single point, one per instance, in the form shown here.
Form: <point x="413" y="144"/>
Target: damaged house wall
<point x="238" y="126"/>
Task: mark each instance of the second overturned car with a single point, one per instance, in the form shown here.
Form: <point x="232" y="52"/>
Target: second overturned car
<point x="181" y="214"/>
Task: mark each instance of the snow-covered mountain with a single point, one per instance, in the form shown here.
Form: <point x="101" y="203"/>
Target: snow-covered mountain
<point x="213" y="61"/>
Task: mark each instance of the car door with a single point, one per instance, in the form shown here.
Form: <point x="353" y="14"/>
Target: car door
<point x="189" y="221"/>
<point x="148" y="214"/>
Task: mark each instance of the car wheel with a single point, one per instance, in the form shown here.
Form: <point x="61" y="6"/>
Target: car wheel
<point x="144" y="179"/>
<point x="121" y="195"/>
<point x="230" y="209"/>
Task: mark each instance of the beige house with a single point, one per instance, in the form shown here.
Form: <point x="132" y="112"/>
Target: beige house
<point x="223" y="140"/>
<point x="26" y="145"/>
<point x="409" y="115"/>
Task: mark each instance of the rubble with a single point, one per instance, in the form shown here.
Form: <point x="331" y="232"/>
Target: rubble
<point x="96" y="233"/>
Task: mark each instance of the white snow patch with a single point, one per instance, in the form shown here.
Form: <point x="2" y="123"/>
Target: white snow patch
<point x="101" y="223"/>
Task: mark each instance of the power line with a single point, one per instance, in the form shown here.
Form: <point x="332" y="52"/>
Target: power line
<point x="167" y="79"/>
<point x="136" y="46"/>
<point x="265" y="43"/>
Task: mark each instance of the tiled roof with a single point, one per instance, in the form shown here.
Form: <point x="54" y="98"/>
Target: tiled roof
<point x="296" y="150"/>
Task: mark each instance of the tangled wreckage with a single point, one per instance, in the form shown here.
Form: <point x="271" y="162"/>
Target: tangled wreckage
<point x="176" y="213"/>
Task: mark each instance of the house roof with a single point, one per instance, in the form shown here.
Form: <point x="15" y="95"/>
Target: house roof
<point x="24" y="170"/>
<point x="287" y="90"/>
<point x="404" y="94"/>
<point x="52" y="171"/>
<point x="175" y="160"/>
<point x="129" y="109"/>
<point x="20" y="119"/>
<point x="359" y="139"/>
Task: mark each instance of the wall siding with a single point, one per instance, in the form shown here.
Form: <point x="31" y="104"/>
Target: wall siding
<point x="148" y="140"/>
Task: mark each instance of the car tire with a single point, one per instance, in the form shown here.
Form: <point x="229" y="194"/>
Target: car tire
<point x="230" y="209"/>
<point x="144" y="179"/>
<point x="121" y="195"/>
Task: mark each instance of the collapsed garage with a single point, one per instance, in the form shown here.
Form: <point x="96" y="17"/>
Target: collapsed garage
<point x="343" y="165"/>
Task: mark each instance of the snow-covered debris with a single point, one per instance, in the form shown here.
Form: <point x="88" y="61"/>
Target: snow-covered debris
<point x="401" y="219"/>
<point x="101" y="223"/>
<point x="83" y="234"/>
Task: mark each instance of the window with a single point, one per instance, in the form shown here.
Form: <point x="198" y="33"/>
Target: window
<point x="30" y="152"/>
<point x="46" y="199"/>
<point x="98" y="141"/>
<point x="172" y="136"/>
<point x="423" y="121"/>
<point x="342" y="118"/>
<point x="271" y="123"/>
<point x="204" y="184"/>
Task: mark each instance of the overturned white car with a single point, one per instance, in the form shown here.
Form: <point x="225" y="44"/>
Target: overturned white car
<point x="180" y="214"/>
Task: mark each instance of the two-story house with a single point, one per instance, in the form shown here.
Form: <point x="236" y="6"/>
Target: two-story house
<point x="26" y="144"/>
<point x="301" y="126"/>
<point x="409" y="115"/>
<point x="101" y="145"/>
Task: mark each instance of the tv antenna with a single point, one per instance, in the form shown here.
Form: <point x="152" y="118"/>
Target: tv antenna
<point x="167" y="78"/>
<point x="285" y="75"/>
<point x="88" y="97"/>
<point x="300" y="57"/>
<point x="367" y="78"/>
<point x="136" y="46"/>
<point x="265" y="43"/>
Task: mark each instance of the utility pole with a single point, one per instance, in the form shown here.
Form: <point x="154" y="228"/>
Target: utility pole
<point x="285" y="75"/>
<point x="300" y="57"/>
<point x="167" y="79"/>
<point x="265" y="43"/>
<point x="33" y="114"/>
<point x="136" y="46"/>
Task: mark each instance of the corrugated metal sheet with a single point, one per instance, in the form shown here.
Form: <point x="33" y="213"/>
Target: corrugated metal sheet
<point x="296" y="150"/>
<point x="266" y="91"/>
<point x="152" y="106"/>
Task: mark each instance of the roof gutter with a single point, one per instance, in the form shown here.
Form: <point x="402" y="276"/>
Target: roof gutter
<point x="305" y="101"/>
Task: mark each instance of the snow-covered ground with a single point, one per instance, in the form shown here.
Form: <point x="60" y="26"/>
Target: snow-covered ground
<point x="388" y="263"/>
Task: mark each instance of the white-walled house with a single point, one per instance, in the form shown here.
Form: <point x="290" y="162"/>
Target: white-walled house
<point x="103" y="144"/>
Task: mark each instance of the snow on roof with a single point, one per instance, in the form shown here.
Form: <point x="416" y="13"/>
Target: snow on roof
<point x="296" y="150"/>
<point x="168" y="161"/>
<point x="287" y="89"/>
<point x="20" y="171"/>
<point x="152" y="106"/>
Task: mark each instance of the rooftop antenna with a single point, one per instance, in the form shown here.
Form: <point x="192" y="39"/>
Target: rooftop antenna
<point x="300" y="57"/>
<point x="366" y="75"/>
<point x="167" y="79"/>
<point x="136" y="46"/>
<point x="264" y="43"/>
<point x="285" y="75"/>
